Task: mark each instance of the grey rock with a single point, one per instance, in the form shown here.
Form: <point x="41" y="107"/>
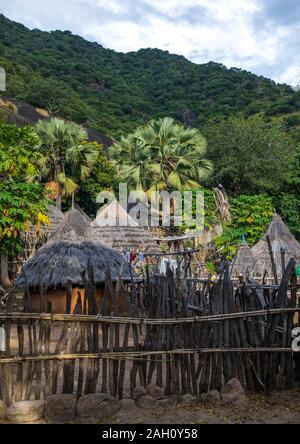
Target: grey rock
<point x="138" y="392"/>
<point x="94" y="408"/>
<point x="188" y="399"/>
<point x="233" y="393"/>
<point x="26" y="411"/>
<point x="60" y="408"/>
<point x="109" y="408"/>
<point x="203" y="397"/>
<point x="147" y="402"/>
<point x="2" y="409"/>
<point x="155" y="391"/>
<point x="88" y="405"/>
<point x="213" y="396"/>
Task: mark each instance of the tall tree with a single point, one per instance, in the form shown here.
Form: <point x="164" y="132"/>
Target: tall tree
<point x="64" y="144"/>
<point x="162" y="155"/>
<point x="250" y="156"/>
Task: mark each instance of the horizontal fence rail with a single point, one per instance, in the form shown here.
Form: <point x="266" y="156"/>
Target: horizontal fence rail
<point x="140" y="321"/>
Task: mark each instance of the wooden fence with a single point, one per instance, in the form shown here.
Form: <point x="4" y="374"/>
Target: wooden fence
<point x="185" y="338"/>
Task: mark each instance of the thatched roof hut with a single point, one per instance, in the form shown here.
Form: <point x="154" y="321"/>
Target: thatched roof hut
<point x="66" y="255"/>
<point x="243" y="263"/>
<point x="281" y="239"/>
<point x="114" y="226"/>
<point x="63" y="260"/>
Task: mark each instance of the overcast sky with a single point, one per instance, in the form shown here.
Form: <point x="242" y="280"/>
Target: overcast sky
<point x="262" y="36"/>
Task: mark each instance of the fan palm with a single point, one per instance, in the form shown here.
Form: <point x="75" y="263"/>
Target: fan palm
<point x="64" y="145"/>
<point x="162" y="155"/>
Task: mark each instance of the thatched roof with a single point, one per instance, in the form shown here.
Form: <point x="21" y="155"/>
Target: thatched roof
<point x="114" y="226"/>
<point x="87" y="218"/>
<point x="243" y="263"/>
<point x="73" y="222"/>
<point x="280" y="238"/>
<point x="66" y="255"/>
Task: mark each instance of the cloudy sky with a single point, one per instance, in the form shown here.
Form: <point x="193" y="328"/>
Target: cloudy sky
<point x="262" y="36"/>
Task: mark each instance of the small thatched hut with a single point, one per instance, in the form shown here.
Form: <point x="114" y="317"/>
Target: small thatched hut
<point x="63" y="262"/>
<point x="243" y="263"/>
<point x="115" y="227"/>
<point x="281" y="239"/>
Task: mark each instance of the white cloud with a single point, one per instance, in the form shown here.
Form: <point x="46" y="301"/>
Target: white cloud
<point x="241" y="33"/>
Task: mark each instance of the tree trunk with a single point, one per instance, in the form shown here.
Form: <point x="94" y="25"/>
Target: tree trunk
<point x="58" y="201"/>
<point x="5" y="282"/>
<point x="58" y="170"/>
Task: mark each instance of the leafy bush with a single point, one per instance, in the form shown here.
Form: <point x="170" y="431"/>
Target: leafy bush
<point x="250" y="218"/>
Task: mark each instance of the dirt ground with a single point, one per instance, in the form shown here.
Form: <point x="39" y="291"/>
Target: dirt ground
<point x="276" y="408"/>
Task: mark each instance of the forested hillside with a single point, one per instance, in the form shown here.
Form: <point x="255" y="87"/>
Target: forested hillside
<point x="114" y="92"/>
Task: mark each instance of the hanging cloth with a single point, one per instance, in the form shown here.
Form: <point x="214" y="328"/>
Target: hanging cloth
<point x="173" y="265"/>
<point x="164" y="265"/>
<point x="132" y="256"/>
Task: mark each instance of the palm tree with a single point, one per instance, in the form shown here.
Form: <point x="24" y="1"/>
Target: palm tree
<point x="162" y="155"/>
<point x="64" y="145"/>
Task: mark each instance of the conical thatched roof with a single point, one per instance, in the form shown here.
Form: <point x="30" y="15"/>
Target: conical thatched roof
<point x="72" y="222"/>
<point x="114" y="226"/>
<point x="113" y="214"/>
<point x="243" y="263"/>
<point x="55" y="215"/>
<point x="66" y="255"/>
<point x="280" y="238"/>
<point x="87" y="218"/>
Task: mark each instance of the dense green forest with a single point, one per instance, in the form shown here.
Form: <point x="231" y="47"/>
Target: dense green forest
<point x="114" y="92"/>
